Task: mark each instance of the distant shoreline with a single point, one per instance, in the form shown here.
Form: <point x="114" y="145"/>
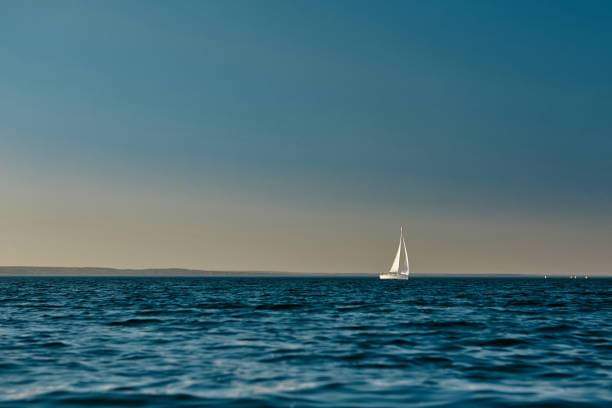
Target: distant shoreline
<point x="151" y="272"/>
<point x="12" y="271"/>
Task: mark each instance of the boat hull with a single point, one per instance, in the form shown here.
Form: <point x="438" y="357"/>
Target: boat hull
<point x="393" y="276"/>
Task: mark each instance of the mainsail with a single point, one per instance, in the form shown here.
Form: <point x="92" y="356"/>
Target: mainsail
<point x="406" y="269"/>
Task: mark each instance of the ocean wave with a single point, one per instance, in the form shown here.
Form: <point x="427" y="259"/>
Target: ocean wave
<point x="305" y="343"/>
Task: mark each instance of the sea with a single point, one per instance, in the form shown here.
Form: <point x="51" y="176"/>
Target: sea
<point x="305" y="342"/>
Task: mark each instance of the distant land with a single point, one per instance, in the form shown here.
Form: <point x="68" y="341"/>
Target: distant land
<point x="100" y="271"/>
<point x="159" y="272"/>
<point x="178" y="272"/>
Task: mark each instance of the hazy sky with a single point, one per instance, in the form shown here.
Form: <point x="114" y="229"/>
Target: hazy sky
<point x="299" y="135"/>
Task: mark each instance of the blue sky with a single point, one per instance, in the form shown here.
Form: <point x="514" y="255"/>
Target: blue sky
<point x="299" y="133"/>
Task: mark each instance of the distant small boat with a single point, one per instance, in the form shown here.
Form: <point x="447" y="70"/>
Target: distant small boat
<point x="401" y="266"/>
<point x="545" y="277"/>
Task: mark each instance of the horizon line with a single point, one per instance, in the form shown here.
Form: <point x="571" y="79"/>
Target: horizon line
<point x="101" y="271"/>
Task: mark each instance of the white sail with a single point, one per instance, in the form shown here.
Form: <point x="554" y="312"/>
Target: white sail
<point x="396" y="262"/>
<point x="406" y="269"/>
<point x="401" y="267"/>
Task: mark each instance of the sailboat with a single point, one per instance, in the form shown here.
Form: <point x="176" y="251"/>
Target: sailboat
<point x="401" y="267"/>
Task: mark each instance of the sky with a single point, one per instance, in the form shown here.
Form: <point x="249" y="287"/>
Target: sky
<point x="299" y="135"/>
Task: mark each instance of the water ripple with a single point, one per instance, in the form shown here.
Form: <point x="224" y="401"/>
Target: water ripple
<point x="308" y="342"/>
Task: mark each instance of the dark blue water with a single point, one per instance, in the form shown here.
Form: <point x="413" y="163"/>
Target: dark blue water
<point x="305" y="342"/>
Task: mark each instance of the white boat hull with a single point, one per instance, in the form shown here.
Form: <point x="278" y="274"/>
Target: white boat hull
<point x="393" y="276"/>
